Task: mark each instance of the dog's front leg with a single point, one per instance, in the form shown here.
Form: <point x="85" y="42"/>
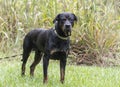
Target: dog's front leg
<point x="45" y="67"/>
<point x="62" y="70"/>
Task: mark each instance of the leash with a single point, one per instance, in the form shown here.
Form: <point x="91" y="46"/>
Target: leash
<point x="10" y="57"/>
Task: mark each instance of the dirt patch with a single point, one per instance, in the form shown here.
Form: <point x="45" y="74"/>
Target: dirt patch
<point x="79" y="55"/>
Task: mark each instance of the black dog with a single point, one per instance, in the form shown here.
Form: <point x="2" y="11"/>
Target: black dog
<point x="53" y="43"/>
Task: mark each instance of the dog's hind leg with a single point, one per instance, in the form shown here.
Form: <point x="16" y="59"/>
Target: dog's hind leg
<point x="25" y="58"/>
<point x="37" y="59"/>
<point x="26" y="52"/>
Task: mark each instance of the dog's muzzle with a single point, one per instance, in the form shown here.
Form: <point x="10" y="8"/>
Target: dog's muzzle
<point x="67" y="30"/>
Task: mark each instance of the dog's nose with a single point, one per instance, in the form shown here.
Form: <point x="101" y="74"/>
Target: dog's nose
<point x="67" y="26"/>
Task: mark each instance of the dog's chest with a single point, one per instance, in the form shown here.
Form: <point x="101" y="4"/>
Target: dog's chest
<point x="58" y="45"/>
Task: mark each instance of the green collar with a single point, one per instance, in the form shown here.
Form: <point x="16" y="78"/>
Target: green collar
<point x="63" y="38"/>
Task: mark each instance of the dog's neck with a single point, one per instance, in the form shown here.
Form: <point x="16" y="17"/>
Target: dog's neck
<point x="60" y="33"/>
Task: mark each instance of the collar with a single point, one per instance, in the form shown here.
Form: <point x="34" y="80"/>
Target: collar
<point x="63" y="38"/>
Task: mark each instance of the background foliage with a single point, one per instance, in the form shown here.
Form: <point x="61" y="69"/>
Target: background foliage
<point x="97" y="29"/>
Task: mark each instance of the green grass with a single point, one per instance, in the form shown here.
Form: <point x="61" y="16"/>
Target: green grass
<point x="76" y="76"/>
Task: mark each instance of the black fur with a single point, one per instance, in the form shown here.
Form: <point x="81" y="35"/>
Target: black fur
<point x="53" y="43"/>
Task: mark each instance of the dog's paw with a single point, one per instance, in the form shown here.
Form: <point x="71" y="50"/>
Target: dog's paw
<point x="62" y="81"/>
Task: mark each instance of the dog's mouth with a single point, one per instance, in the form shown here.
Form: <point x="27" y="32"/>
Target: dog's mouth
<point x="67" y="32"/>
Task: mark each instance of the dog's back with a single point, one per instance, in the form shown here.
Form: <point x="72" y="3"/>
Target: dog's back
<point x="36" y="39"/>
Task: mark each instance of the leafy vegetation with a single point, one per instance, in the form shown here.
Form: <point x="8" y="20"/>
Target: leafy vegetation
<point x="97" y="29"/>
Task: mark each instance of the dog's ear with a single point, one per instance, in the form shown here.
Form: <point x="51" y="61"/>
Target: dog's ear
<point x="75" y="17"/>
<point x="57" y="18"/>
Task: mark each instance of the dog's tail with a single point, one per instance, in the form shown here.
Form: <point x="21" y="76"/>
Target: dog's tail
<point x="8" y="57"/>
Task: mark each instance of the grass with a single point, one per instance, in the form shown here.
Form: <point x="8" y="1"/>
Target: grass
<point x="76" y="76"/>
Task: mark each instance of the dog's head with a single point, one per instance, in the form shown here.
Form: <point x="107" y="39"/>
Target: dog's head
<point x="65" y="21"/>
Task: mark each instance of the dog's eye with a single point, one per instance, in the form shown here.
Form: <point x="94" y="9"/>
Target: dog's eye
<point x="63" y="19"/>
<point x="71" y="20"/>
